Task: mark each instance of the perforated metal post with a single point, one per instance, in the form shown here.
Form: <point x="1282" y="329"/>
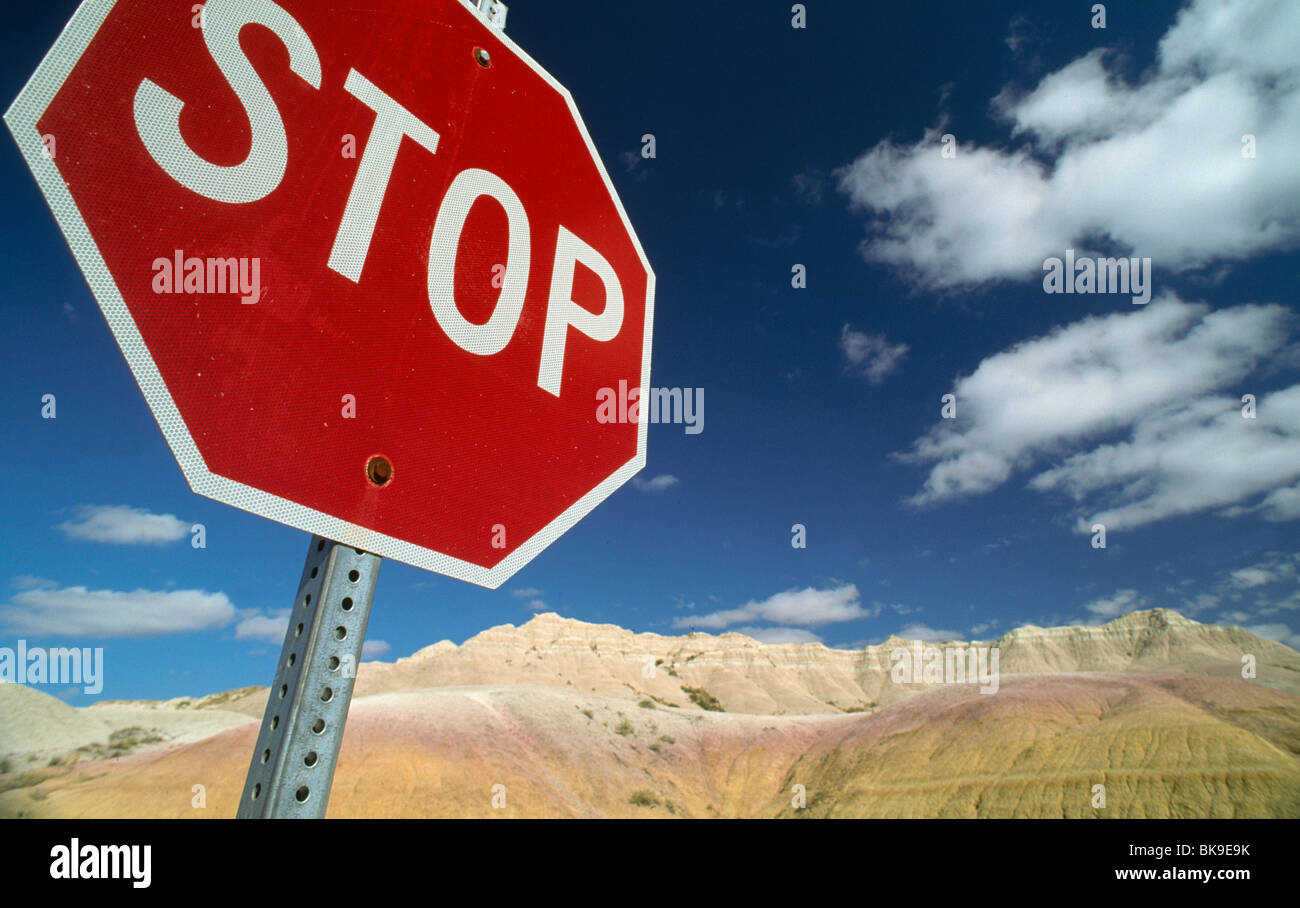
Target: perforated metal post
<point x="298" y="747"/>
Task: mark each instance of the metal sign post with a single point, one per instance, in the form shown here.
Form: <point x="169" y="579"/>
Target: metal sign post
<point x="457" y="416"/>
<point x="297" y="750"/>
<point x="298" y="747"/>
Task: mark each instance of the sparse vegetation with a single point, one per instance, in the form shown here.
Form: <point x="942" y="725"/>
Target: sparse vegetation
<point x="703" y="699"/>
<point x="130" y="737"/>
<point x="662" y="702"/>
<point x="120" y="742"/>
<point x="28" y="779"/>
<point x="221" y="699"/>
<point x="856" y="708"/>
<point x="668" y="739"/>
<point x="656" y="747"/>
<point x="646" y="704"/>
<point x="5" y="767"/>
<point x="623" y="728"/>
<point x="589" y="714"/>
<point x="643" y="798"/>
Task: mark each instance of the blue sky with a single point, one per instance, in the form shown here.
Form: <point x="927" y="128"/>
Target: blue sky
<point x="778" y="146"/>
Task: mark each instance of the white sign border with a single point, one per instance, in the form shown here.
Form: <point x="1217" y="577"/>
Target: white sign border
<point x="22" y="117"/>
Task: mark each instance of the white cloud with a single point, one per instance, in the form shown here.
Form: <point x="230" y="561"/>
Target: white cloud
<point x="121" y="525"/>
<point x="1121" y="603"/>
<point x="870" y="355"/>
<point x="1154" y="168"/>
<point x="808" y="606"/>
<point x="29" y="582"/>
<point x="527" y="593"/>
<point x="373" y="649"/>
<point x="1267" y="606"/>
<point x="76" y="611"/>
<point x="1199" y="603"/>
<point x="1188" y="458"/>
<point x="269" y="627"/>
<point x="1148" y="371"/>
<point x="918" y="631"/>
<point x="657" y="484"/>
<point x="779" y="634"/>
<point x="1278" y="506"/>
<point x="537" y="605"/>
<point x="1279" y="632"/>
<point x="1274" y="569"/>
<point x="1265" y="572"/>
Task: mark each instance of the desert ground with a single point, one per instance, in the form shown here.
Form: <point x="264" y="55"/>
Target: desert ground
<point x="560" y="718"/>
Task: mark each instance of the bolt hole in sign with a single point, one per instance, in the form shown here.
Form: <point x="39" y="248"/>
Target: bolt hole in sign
<point x="369" y="287"/>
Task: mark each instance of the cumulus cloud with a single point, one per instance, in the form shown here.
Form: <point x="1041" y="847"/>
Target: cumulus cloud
<point x="918" y="631"/>
<point x="373" y="649"/>
<point x="1149" y="372"/>
<point x="1271" y="584"/>
<point x="1279" y="632"/>
<point x="1257" y="592"/>
<point x="1121" y="603"/>
<point x="77" y="611"/>
<point x="1188" y="458"/>
<point x="1154" y="168"/>
<point x="1274" y="568"/>
<point x="870" y="355"/>
<point x="1267" y="606"/>
<point x="1278" y="506"/>
<point x="121" y="525"/>
<point x="269" y="628"/>
<point x="779" y="634"/>
<point x="807" y="606"/>
<point x="30" y="581"/>
<point x="657" y="484"/>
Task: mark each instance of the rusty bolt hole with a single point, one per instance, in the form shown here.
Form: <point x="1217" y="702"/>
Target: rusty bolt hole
<point x="482" y="57"/>
<point x="379" y="471"/>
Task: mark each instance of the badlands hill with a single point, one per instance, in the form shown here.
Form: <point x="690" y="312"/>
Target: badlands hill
<point x="573" y="721"/>
<point x="808" y="678"/>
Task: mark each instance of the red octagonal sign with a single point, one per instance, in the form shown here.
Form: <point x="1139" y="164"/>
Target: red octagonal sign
<point x="363" y="260"/>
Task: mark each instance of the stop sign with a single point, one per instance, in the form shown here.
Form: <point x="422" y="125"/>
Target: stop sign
<point x="363" y="260"/>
